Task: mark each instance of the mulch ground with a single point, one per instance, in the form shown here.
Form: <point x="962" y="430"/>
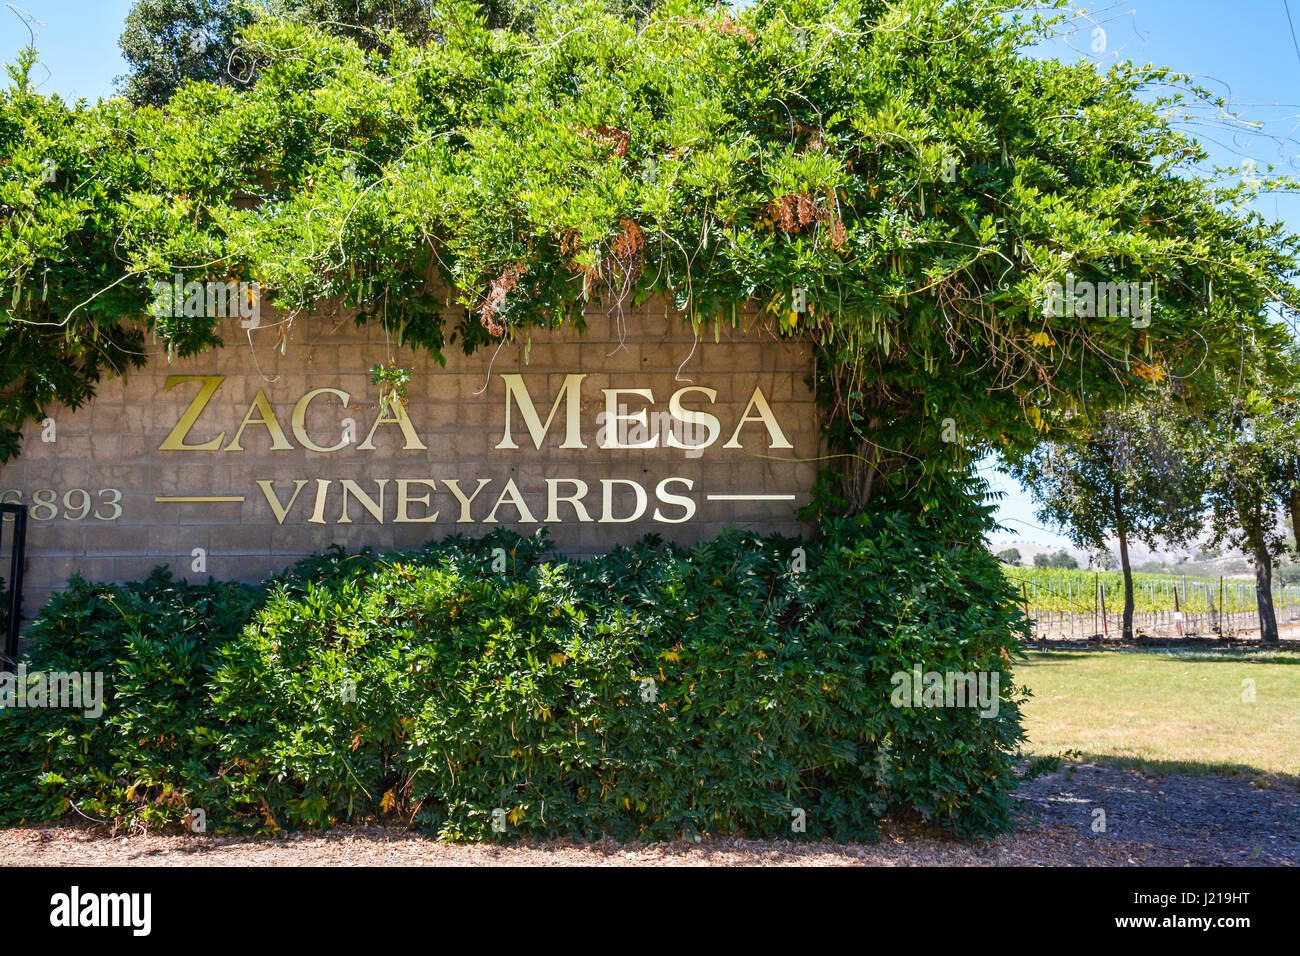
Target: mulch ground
<point x="1175" y="819"/>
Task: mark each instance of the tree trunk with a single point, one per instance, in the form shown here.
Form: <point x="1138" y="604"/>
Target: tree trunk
<point x="861" y="479"/>
<point x="1293" y="502"/>
<point x="1121" y="532"/>
<point x="1268" y="636"/>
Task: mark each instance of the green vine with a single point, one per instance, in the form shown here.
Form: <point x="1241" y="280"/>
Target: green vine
<point x="896" y="185"/>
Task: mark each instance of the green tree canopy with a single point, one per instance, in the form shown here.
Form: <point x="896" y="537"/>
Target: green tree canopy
<point x="167" y="42"/>
<point x="1136" y="475"/>
<point x="1251" y="438"/>
<point x="1062" y="559"/>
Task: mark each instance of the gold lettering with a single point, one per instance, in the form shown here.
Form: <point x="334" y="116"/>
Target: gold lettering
<point x="454" y="485"/>
<point x="396" y="417"/>
<point x="273" y="499"/>
<point x="569" y="393"/>
<point x="553" y="498"/>
<point x="776" y="438"/>
<point x="686" y="504"/>
<point x="689" y="417"/>
<point x="613" y="418"/>
<point x="376" y="511"/>
<point x="607" y="486"/>
<point x="299" y="421"/>
<point x="322" y="491"/>
<point x="176" y="440"/>
<point x="404" y="498"/>
<point x="268" y="419"/>
<point x="516" y="499"/>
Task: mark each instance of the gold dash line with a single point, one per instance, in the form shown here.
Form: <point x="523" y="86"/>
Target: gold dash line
<point x="200" y="499"/>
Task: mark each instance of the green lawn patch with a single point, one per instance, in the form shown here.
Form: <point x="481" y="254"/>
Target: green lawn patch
<point x="1167" y="711"/>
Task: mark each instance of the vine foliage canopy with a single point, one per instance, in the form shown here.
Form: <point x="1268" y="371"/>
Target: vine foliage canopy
<point x="896" y="184"/>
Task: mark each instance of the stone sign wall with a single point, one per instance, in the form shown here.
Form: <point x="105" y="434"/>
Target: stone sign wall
<point x="238" y="462"/>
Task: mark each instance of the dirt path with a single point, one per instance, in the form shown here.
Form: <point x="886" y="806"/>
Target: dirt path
<point x="1177" y="819"/>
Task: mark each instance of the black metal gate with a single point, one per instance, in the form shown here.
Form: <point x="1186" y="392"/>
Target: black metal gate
<point x="13" y="539"/>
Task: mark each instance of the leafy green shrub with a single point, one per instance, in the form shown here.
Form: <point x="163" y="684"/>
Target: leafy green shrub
<point x="157" y="643"/>
<point x="649" y="692"/>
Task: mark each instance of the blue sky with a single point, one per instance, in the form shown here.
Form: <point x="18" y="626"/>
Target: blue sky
<point x="1243" y="49"/>
<point x="77" y="40"/>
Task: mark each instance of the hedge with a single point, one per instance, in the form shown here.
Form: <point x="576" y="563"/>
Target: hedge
<point x="488" y="688"/>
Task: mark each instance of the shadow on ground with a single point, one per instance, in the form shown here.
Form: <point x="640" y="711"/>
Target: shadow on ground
<point x="1205" y="817"/>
